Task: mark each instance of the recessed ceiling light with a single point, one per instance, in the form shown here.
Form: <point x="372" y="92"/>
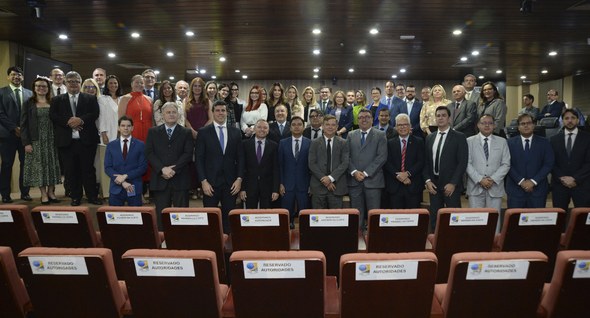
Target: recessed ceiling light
<point x="135" y="35"/>
<point x="463" y="58"/>
<point x="498" y="71"/>
<point x="317" y="69"/>
<point x="237" y="71"/>
<point x="245" y="76"/>
<point x="544" y="71"/>
<point x="315" y="76"/>
<point x="362" y="51"/>
<point x="112" y="55"/>
<point x="351" y="70"/>
<point x="316" y="31"/>
<point x="373" y="31"/>
<point x="203" y="71"/>
<point x="213" y="77"/>
<point x="170" y="53"/>
<point x="316" y="52"/>
<point x="523" y="77"/>
<point x="393" y="76"/>
<point x="457" y="32"/>
<point x="171" y="78"/>
<point x="407" y="37"/>
<point x="63" y="36"/>
<point x="156" y="72"/>
<point x="402" y="70"/>
<point x="481" y="77"/>
<point x="552" y="53"/>
<point x="189" y="33"/>
<point x="222" y="59"/>
<point x="475" y="53"/>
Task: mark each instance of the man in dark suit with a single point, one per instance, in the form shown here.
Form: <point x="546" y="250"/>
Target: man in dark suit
<point x="446" y="162"/>
<point x="390" y="99"/>
<point x="531" y="160"/>
<point x="12" y="98"/>
<point x="403" y="168"/>
<point x="280" y="128"/>
<point x="74" y="115"/>
<point x="260" y="186"/>
<point x="294" y="169"/>
<point x="553" y="107"/>
<point x="220" y="162"/>
<point x="169" y="150"/>
<point x="325" y="101"/>
<point x="149" y="82"/>
<point x="463" y="112"/>
<point x="125" y="163"/>
<point x="328" y="182"/>
<point x="384" y="124"/>
<point x="314" y="131"/>
<point x="410" y="107"/>
<point x="571" y="171"/>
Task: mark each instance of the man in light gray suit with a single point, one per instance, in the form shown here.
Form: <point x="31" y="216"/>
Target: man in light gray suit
<point x="463" y="112"/>
<point x="328" y="162"/>
<point x="488" y="164"/>
<point x="368" y="153"/>
<point x="469" y="82"/>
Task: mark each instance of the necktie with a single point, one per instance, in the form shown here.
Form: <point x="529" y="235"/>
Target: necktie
<point x="281" y="128"/>
<point x="259" y="151"/>
<point x="468" y="96"/>
<point x="437" y="157"/>
<point x="568" y="147"/>
<point x="363" y="137"/>
<point x="457" y="104"/>
<point x="527" y="146"/>
<point x="73" y="104"/>
<point x="382" y="129"/>
<point x="404" y="147"/>
<point x="324" y="105"/>
<point x="17" y="94"/>
<point x="315" y="133"/>
<point x="389" y="102"/>
<point x="329" y="158"/>
<point x="125" y="149"/>
<point x="151" y="93"/>
<point x="59" y="91"/>
<point x="169" y="132"/>
<point x="296" y="149"/>
<point x="221" y="139"/>
<point x="486" y="151"/>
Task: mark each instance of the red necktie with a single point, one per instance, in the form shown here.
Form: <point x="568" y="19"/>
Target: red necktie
<point x="404" y="155"/>
<point x="125" y="149"/>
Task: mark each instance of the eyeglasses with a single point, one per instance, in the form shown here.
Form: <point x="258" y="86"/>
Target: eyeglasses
<point x="364" y="117"/>
<point x="73" y="81"/>
<point x="486" y="123"/>
<point x="402" y="125"/>
<point x="526" y="123"/>
<point x="254" y="93"/>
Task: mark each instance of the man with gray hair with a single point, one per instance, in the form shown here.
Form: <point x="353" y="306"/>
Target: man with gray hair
<point x="181" y="89"/>
<point x="463" y="112"/>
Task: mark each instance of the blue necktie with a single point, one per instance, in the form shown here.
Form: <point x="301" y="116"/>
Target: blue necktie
<point x="527" y="146"/>
<point x="169" y="131"/>
<point x="221" y="139"/>
<point x="363" y="137"/>
<point x="485" y="148"/>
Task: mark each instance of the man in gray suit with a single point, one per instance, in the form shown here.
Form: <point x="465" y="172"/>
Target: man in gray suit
<point x="463" y="112"/>
<point x="328" y="162"/>
<point x="469" y="82"/>
<point x="488" y="165"/>
<point x="368" y="153"/>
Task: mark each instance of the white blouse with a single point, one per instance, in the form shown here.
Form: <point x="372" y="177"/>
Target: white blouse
<point x="250" y="118"/>
<point x="109" y="116"/>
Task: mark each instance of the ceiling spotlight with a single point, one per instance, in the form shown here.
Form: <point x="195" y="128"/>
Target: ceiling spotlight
<point x="316" y="31"/>
<point x="544" y="71"/>
<point x="457" y="32"/>
<point x="463" y="58"/>
<point x="189" y="33"/>
<point x="135" y="35"/>
<point x="170" y="53"/>
<point x="498" y="71"/>
<point x="317" y="69"/>
<point x="481" y="77"/>
<point x="237" y="71"/>
<point x="222" y="59"/>
<point x="475" y="53"/>
<point x="523" y="77"/>
<point x="315" y="76"/>
<point x="112" y="55"/>
<point x="245" y="76"/>
<point x="63" y="36"/>
<point x="362" y="51"/>
<point x="552" y="53"/>
<point x="203" y="71"/>
<point x="213" y="77"/>
<point x="351" y="70"/>
<point x="393" y="76"/>
<point x="316" y="52"/>
<point x="156" y="72"/>
<point x="402" y="70"/>
<point x="171" y="78"/>
<point x="373" y="31"/>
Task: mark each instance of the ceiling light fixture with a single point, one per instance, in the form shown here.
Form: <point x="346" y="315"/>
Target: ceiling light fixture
<point x="316" y="52"/>
<point x="315" y="76"/>
<point x="237" y="71"/>
<point x="457" y="32"/>
<point x="498" y="71"/>
<point x="351" y="70"/>
<point x="135" y="35"/>
<point x="402" y="70"/>
<point x="552" y="53"/>
<point x="213" y="77"/>
<point x="317" y="69"/>
<point x="544" y="71"/>
<point x="156" y="72"/>
<point x="393" y="76"/>
<point x="171" y="78"/>
<point x="189" y="33"/>
<point x="316" y="31"/>
<point x="463" y="58"/>
<point x="373" y="31"/>
<point x="222" y="59"/>
<point x="481" y="77"/>
<point x="63" y="36"/>
<point x="112" y="55"/>
<point x="170" y="53"/>
<point x="523" y="77"/>
<point x="475" y="53"/>
<point x="362" y="51"/>
<point x="245" y="76"/>
<point x="203" y="71"/>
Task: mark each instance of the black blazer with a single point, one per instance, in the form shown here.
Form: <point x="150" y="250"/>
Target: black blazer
<point x="163" y="152"/>
<point x="414" y="164"/>
<point x="219" y="168"/>
<point x="29" y="123"/>
<point x="274" y="133"/>
<point x="307" y="133"/>
<point x="10" y="113"/>
<point x="263" y="176"/>
<point x="452" y="162"/>
<point x="60" y="112"/>
<point x="577" y="165"/>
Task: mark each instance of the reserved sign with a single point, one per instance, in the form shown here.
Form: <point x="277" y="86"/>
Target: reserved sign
<point x="386" y="270"/>
<point x="59" y="217"/>
<point x="274" y="269"/>
<point x="398" y="220"/>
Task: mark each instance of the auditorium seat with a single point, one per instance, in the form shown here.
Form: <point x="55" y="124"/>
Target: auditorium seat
<point x="196" y="229"/>
<point x="16" y="228"/>
<point x="280" y="284"/>
<point x="334" y="232"/>
<point x="14" y="299"/>
<point x="73" y="282"/>
<point x="397" y="231"/>
<point x="493" y="284"/>
<point x="171" y="283"/>
<point x="387" y="285"/>
<point x="64" y="226"/>
<point x="126" y="227"/>
<point x="462" y="230"/>
<point x="260" y="229"/>
<point x="569" y="291"/>
<point x="577" y="233"/>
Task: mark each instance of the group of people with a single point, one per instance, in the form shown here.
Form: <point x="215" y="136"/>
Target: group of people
<point x="277" y="150"/>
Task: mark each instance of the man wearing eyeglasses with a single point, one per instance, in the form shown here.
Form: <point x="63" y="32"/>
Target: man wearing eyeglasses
<point x="73" y="116"/>
<point x="149" y="82"/>
<point x="553" y="107"/>
<point x="531" y="160"/>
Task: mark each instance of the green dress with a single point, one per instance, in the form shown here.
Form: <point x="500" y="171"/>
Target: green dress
<point x="42" y="166"/>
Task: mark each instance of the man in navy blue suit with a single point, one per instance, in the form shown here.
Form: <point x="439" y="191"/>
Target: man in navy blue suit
<point x="294" y="169"/>
<point x="553" y="107"/>
<point x="125" y="163"/>
<point x="531" y="160"/>
<point x="412" y="108"/>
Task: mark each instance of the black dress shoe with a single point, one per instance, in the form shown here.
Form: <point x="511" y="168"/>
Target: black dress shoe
<point x="45" y="202"/>
<point x="26" y="197"/>
<point x="54" y="200"/>
<point x="7" y="200"/>
<point x="95" y="201"/>
<point x="75" y="202"/>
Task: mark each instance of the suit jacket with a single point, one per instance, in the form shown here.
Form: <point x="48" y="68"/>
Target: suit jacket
<point x="345" y="118"/>
<point x="274" y="133"/>
<point x="396" y="102"/>
<point x="294" y="172"/>
<point x="156" y="94"/>
<point x="29" y="123"/>
<point x="163" y="152"/>
<point x="369" y="157"/>
<point x="414" y="164"/>
<point x="308" y="133"/>
<point x="496" y="166"/>
<point x="536" y="165"/>
<point x="577" y="165"/>
<point x="452" y="161"/>
<point x="496" y="108"/>
<point x="264" y="175"/>
<point x="10" y="112"/>
<point x="318" y="165"/>
<point x="464" y="118"/>
<point x="134" y="166"/>
<point x="60" y="112"/>
<point x="553" y="109"/>
<point x="414" y="115"/>
<point x="390" y="132"/>
<point x="212" y="164"/>
<point x="376" y="115"/>
<point x="324" y="109"/>
<point x="475" y="96"/>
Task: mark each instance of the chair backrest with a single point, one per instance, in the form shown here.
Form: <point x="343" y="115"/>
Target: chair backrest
<point x="495" y="284"/>
<point x="387" y="285"/>
<point x="16" y="228"/>
<point x="64" y="226"/>
<point x="549" y="122"/>
<point x="577" y="233"/>
<point x="278" y="283"/>
<point x="196" y="229"/>
<point x="331" y="231"/>
<point x="72" y="282"/>
<point x="569" y="290"/>
<point x="170" y="283"/>
<point x="397" y="231"/>
<point x="126" y="227"/>
<point x="14" y="299"/>
<point x="462" y="230"/>
<point x="260" y="229"/>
